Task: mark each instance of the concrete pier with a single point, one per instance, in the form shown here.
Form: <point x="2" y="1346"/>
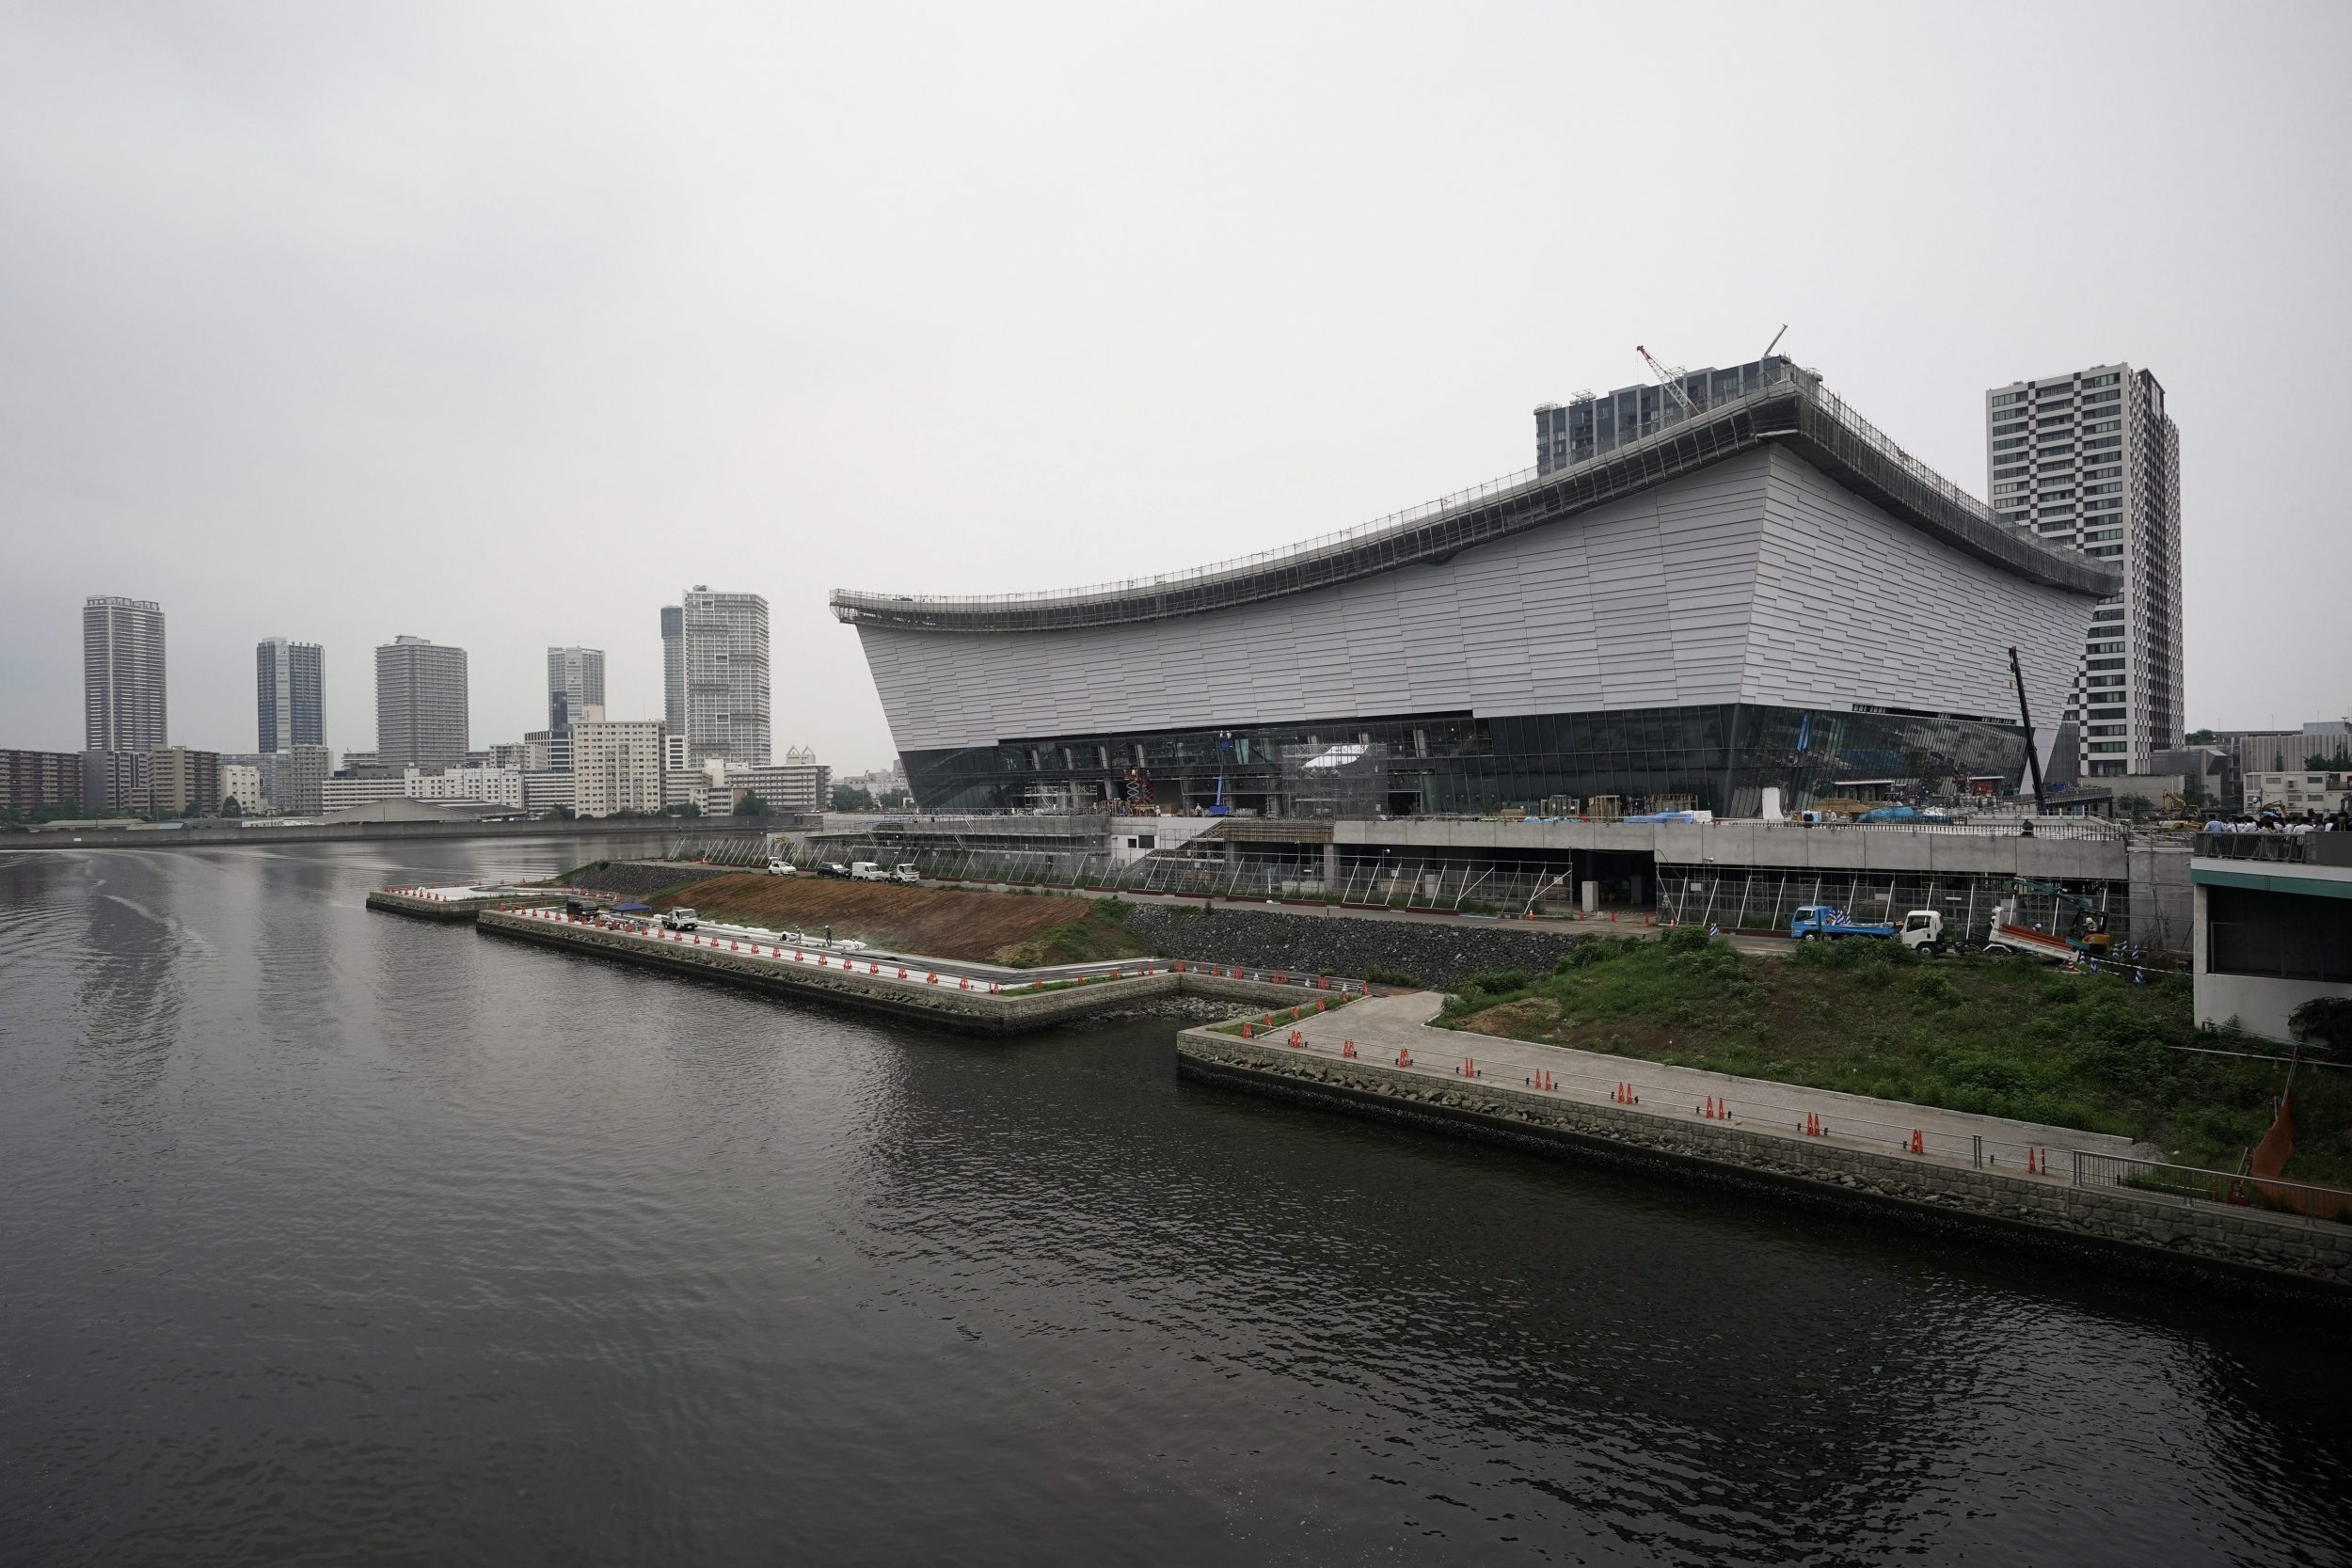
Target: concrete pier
<point x="452" y="905"/>
<point x="940" y="994"/>
<point x="1993" y="1179"/>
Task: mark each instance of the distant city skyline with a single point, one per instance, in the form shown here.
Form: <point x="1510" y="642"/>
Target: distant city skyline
<point x="528" y="423"/>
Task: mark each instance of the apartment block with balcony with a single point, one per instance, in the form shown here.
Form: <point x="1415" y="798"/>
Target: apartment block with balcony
<point x="2090" y="461"/>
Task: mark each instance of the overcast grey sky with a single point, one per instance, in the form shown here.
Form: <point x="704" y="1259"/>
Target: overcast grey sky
<point x="501" y="324"/>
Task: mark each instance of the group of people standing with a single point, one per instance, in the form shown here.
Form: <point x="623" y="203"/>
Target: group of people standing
<point x="2274" y="822"/>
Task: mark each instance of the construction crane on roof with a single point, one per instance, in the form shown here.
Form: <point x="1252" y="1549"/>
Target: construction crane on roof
<point x="1669" y="378"/>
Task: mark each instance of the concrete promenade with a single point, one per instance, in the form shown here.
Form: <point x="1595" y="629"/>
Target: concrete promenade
<point x="1976" y="1176"/>
<point x="1385" y="1025"/>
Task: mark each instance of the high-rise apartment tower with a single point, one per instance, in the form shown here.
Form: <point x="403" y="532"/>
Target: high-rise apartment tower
<point x="674" y="669"/>
<point x="122" y="675"/>
<point x="421" y="711"/>
<point x="286" y="694"/>
<point x="575" y="685"/>
<point x="2092" y="461"/>
<point x="722" y="649"/>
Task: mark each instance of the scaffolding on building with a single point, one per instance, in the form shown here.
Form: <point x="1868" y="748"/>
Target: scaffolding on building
<point x="1791" y="406"/>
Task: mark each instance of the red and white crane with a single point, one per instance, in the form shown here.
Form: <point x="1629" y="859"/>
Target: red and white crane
<point x="1670" y="378"/>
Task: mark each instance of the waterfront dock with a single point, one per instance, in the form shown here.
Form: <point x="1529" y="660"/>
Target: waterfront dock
<point x="968" y="998"/>
<point x="2049" y="1186"/>
<point x="451" y="904"/>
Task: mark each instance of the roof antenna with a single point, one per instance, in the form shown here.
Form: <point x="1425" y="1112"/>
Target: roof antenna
<point x="1775" y="343"/>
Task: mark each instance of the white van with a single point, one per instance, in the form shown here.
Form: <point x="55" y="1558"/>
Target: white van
<point x="866" y="871"/>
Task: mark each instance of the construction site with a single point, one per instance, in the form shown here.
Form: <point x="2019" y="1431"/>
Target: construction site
<point x="1748" y="876"/>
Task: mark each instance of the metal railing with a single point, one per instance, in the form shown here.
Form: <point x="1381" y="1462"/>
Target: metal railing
<point x="2189" y="1184"/>
<point x="2316" y="849"/>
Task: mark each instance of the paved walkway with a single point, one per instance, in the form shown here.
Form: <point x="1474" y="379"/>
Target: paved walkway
<point x="1381" y="1026"/>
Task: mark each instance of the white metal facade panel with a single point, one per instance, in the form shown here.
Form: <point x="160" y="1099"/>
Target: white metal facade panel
<point x="1757" y="580"/>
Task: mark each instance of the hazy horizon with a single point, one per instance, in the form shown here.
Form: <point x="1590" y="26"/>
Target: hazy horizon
<point x="502" y="329"/>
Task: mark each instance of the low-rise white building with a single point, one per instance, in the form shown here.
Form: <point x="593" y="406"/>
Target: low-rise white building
<point x="2299" y="791"/>
<point x="241" y="783"/>
<point x="2270" y="936"/>
<point x="545" y="791"/>
<point x="498" y="786"/>
<point x="616" y="766"/>
<point x="338" y="793"/>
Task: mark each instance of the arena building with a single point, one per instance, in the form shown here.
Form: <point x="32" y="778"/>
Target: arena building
<point x="1766" y="594"/>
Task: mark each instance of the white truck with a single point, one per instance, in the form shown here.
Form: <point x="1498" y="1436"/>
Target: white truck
<point x="867" y="871"/>
<point x="905" y="872"/>
<point x="1923" y="933"/>
<point x="680" y="920"/>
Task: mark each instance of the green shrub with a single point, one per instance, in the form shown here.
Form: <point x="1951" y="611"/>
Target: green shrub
<point x="1937" y="990"/>
<point x="1380" y="974"/>
<point x="1496" y="981"/>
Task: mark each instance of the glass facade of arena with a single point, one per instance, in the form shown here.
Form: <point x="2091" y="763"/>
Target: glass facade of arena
<point x="1718" y="757"/>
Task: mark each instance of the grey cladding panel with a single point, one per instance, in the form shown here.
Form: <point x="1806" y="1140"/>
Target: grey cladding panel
<point x="1756" y="579"/>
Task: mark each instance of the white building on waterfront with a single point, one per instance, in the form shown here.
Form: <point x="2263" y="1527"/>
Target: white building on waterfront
<point x="616" y="766"/>
<point x="241" y="783"/>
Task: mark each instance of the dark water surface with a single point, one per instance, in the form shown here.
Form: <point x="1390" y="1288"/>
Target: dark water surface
<point x="329" y="1236"/>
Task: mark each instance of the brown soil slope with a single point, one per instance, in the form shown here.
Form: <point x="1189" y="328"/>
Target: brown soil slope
<point x="1000" y="928"/>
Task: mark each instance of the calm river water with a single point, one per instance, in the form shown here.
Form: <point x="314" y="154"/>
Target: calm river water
<point x="329" y="1236"/>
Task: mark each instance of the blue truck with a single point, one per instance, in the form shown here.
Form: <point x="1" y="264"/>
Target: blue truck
<point x="1921" y="930"/>
<point x="1820" y="921"/>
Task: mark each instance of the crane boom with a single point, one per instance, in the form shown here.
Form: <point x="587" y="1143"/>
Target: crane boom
<point x="1670" y="379"/>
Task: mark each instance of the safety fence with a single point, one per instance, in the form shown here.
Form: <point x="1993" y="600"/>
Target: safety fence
<point x="1427" y="885"/>
<point x="782" y="948"/>
<point x="1784" y="1108"/>
<point x="1773" y="1107"/>
<point x="2313" y="1204"/>
<point x="746" y="848"/>
<point x="1764" y="899"/>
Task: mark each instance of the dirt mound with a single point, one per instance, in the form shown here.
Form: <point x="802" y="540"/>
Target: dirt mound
<point x="944" y="923"/>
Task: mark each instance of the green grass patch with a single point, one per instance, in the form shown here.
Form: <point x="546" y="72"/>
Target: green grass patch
<point x="1998" y="1036"/>
<point x="1096" y="936"/>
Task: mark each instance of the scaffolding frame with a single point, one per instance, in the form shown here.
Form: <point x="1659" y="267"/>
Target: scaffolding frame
<point x="1790" y="405"/>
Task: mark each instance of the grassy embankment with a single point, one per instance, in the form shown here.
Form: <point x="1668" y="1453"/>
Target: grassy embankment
<point x="1018" y="929"/>
<point x="2007" y="1037"/>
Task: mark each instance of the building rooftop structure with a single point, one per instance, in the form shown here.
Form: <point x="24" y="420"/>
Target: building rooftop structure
<point x="1766" y="594"/>
<point x="1794" y="409"/>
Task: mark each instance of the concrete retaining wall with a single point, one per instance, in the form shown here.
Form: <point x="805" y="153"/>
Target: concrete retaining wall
<point x="434" y="909"/>
<point x="2220" y="1243"/>
<point x="1437" y="954"/>
<point x="942" y="1006"/>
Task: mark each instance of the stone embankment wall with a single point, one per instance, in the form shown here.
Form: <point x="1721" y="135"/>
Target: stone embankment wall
<point x="430" y="908"/>
<point x="2230" y="1246"/>
<point x="1437" y="954"/>
<point x="639" y="878"/>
